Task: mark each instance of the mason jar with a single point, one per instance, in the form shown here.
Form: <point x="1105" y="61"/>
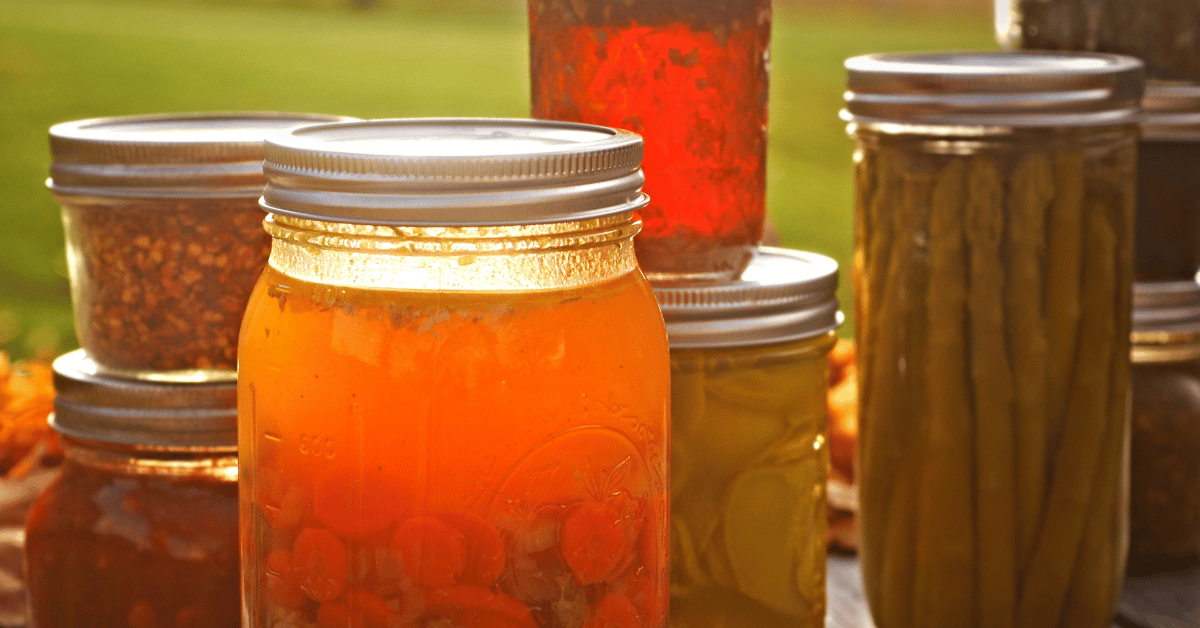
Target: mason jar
<point x="1164" y="34"/>
<point x="749" y="453"/>
<point x="164" y="236"/>
<point x="1165" y="474"/>
<point x="995" y="197"/>
<point x="692" y="77"/>
<point x="140" y="528"/>
<point x="453" y="381"/>
<point x="1168" y="214"/>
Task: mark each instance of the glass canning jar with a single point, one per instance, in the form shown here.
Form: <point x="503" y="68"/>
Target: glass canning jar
<point x="994" y="247"/>
<point x="140" y="527"/>
<point x="692" y="77"/>
<point x="164" y="236"/>
<point x="1168" y="214"/>
<point x="453" y="381"/>
<point x="749" y="458"/>
<point x="1164" y="34"/>
<point x="1165" y="478"/>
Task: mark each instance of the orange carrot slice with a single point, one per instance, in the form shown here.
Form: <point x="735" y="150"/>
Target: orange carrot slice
<point x="614" y="611"/>
<point x="282" y="584"/>
<point x="321" y="562"/>
<point x="485" y="548"/>
<point x="434" y="553"/>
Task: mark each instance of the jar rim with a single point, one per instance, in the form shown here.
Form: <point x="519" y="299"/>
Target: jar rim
<point x="994" y="89"/>
<point x="782" y="296"/>
<point x="453" y="172"/>
<point x="174" y="155"/>
<point x="90" y="405"/>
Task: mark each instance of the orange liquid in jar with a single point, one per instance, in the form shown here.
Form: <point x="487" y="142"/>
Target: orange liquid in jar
<point x="481" y="459"/>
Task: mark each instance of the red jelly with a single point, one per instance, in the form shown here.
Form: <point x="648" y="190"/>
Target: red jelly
<point x="690" y="76"/>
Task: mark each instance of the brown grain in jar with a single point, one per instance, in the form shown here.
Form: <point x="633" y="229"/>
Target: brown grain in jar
<point x="164" y="236"/>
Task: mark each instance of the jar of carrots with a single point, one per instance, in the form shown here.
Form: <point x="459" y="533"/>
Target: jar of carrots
<point x="453" y="382"/>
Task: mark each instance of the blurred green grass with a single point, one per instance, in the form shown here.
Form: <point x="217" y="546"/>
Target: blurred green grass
<point x="63" y="60"/>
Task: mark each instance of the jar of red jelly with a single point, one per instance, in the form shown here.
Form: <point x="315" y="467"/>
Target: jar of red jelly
<point x="453" y="382"/>
<point x="692" y="77"/>
<point x="140" y="528"/>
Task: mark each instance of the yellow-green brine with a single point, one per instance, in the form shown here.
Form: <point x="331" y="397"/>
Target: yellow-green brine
<point x="749" y="458"/>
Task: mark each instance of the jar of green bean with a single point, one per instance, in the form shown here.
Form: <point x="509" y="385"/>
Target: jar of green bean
<point x="749" y="458"/>
<point x="995" y="199"/>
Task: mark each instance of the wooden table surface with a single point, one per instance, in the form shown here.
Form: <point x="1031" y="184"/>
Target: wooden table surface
<point x="1169" y="600"/>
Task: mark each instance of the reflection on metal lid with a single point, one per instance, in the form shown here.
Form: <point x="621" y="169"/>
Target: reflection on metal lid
<point x="783" y="295"/>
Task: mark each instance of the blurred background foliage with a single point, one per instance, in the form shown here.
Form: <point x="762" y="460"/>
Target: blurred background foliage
<point x="69" y="59"/>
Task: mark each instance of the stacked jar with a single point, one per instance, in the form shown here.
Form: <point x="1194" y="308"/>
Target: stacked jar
<point x="994" y="256"/>
<point x="1163" y="34"/>
<point x="690" y="75"/>
<point x="1165" y="480"/>
<point x="164" y="245"/>
<point x="749" y="453"/>
<point x="1165" y="485"/>
<point x="749" y="328"/>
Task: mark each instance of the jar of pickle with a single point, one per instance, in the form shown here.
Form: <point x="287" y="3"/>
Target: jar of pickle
<point x="140" y="528"/>
<point x="1165" y="478"/>
<point x="995" y="197"/>
<point x="453" y="382"/>
<point x="1164" y="34"/>
<point x="1168" y="215"/>
<point x="692" y="77"/>
<point x="164" y="236"/>
<point x="749" y="458"/>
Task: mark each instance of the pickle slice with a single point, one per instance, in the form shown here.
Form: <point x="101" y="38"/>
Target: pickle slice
<point x="772" y="535"/>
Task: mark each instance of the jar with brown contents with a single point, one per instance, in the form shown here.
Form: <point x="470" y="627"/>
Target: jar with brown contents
<point x="994" y="253"/>
<point x="1165" y="474"/>
<point x="164" y="236"/>
<point x="1164" y="34"/>
<point x="1168" y="216"/>
<point x="140" y="528"/>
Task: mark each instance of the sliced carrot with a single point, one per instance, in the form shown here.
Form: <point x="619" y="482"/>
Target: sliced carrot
<point x="614" y="611"/>
<point x="335" y="614"/>
<point x="642" y="590"/>
<point x="434" y="553"/>
<point x="357" y="609"/>
<point x="357" y="504"/>
<point x="282" y="584"/>
<point x="321" y="562"/>
<point x="474" y="606"/>
<point x="370" y="607"/>
<point x="597" y="537"/>
<point x="485" y="548"/>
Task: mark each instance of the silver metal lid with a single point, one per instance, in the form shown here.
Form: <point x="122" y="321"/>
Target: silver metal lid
<point x="1171" y="111"/>
<point x="129" y="412"/>
<point x="1166" y="321"/>
<point x="782" y="296"/>
<point x="453" y="172"/>
<point x="994" y="89"/>
<point x="169" y="155"/>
